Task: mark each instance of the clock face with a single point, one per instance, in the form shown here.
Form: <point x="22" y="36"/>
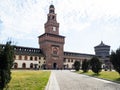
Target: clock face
<point x="54" y="28"/>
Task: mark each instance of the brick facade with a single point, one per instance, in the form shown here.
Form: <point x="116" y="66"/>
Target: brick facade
<point x="51" y="43"/>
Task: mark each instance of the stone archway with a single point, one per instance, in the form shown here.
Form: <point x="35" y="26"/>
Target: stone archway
<point x="31" y="65"/>
<point x="15" y="65"/>
<point x="24" y="65"/>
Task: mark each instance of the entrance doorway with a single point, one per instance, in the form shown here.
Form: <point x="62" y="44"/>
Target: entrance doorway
<point x="15" y="65"/>
<point x="54" y="65"/>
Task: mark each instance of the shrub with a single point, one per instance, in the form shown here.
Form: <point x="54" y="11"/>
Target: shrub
<point x="95" y="65"/>
<point x="77" y="65"/>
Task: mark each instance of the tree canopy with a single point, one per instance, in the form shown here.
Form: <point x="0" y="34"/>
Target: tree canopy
<point x="77" y="65"/>
<point x="95" y="65"/>
<point x="85" y="66"/>
<point x="6" y="63"/>
<point x="115" y="60"/>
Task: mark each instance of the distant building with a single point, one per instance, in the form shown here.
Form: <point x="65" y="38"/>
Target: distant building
<point x="51" y="54"/>
<point x="102" y="51"/>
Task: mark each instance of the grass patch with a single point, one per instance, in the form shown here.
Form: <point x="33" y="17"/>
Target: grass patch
<point x="28" y="80"/>
<point x="108" y="75"/>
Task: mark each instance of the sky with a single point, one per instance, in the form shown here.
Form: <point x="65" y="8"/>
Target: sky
<point x="84" y="23"/>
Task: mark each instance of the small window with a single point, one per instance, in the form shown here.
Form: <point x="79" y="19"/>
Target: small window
<point x="26" y="58"/>
<point x="35" y="58"/>
<point x="68" y="60"/>
<point x="39" y="57"/>
<point x="31" y="58"/>
<point x="72" y="60"/>
<point x="20" y="57"/>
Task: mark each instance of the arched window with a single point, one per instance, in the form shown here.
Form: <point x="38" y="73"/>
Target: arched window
<point x="15" y="65"/>
<point x="20" y="57"/>
<point x="35" y="58"/>
<point x="31" y="58"/>
<point x="23" y="65"/>
<point x="68" y="60"/>
<point x="26" y="57"/>
<point x="71" y="60"/>
<point x="31" y="65"/>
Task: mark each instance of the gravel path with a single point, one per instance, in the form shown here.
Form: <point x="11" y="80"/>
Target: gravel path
<point x="68" y="80"/>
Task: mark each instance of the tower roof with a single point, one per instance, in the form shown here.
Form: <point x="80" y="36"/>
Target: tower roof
<point x="102" y="45"/>
<point x="51" y="6"/>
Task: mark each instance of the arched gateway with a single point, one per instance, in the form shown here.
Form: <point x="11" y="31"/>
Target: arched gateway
<point x="54" y="65"/>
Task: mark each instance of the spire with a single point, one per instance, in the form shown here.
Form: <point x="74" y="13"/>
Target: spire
<point x="102" y="43"/>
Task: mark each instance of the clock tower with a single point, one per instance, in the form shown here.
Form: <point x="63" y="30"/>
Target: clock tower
<point x="51" y="26"/>
<point x="51" y="43"/>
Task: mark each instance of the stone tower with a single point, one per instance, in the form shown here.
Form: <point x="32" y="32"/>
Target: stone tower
<point x="51" y="43"/>
<point x="102" y="50"/>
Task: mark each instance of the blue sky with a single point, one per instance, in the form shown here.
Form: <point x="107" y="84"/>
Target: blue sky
<point x="84" y="23"/>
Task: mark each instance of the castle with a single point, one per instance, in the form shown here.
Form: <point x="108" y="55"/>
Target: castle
<point x="51" y="54"/>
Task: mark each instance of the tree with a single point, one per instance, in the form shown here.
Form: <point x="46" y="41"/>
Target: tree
<point x="115" y="60"/>
<point x="6" y="63"/>
<point x="85" y="66"/>
<point x="95" y="65"/>
<point x="77" y="65"/>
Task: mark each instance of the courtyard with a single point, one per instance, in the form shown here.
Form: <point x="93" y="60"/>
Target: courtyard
<point x="60" y="80"/>
<point x="67" y="80"/>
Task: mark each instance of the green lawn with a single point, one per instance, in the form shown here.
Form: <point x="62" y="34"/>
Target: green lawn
<point x="28" y="80"/>
<point x="108" y="75"/>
